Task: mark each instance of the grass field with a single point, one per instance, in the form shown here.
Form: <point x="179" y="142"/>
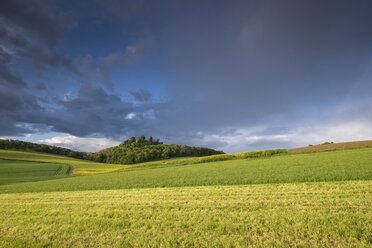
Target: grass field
<point x="81" y="167"/>
<point x="13" y="171"/>
<point x="330" y="214"/>
<point x="354" y="164"/>
<point x="317" y="199"/>
<point x="211" y="158"/>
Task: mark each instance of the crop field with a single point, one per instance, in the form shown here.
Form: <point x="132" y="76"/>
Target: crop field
<point x="211" y="158"/>
<point x="354" y="164"/>
<point x="326" y="214"/>
<point x="13" y="171"/>
<point x="318" y="199"/>
<point x="81" y="167"/>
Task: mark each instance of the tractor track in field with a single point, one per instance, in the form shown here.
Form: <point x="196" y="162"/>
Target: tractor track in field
<point x="70" y="170"/>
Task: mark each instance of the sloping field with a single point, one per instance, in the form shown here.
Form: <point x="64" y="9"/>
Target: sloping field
<point x="81" y="167"/>
<point x="354" y="164"/>
<point x="210" y="159"/>
<point x="331" y="147"/>
<point x="330" y="214"/>
<point x="13" y="171"/>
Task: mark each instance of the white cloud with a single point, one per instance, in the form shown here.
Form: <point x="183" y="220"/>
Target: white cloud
<point x="245" y="139"/>
<point x="130" y="116"/>
<point x="336" y="132"/>
<point x="242" y="139"/>
<point x="87" y="144"/>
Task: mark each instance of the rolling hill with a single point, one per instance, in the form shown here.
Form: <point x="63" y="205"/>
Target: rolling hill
<point x="137" y="150"/>
<point x="13" y="171"/>
<point x="81" y="167"/>
<point x="131" y="151"/>
<point x="263" y="198"/>
<point x="330" y="146"/>
<point x="342" y="165"/>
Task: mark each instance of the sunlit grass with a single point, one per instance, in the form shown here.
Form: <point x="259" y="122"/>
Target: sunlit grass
<point x="355" y="164"/>
<point x="81" y="167"/>
<point x="211" y="158"/>
<point x="329" y="214"/>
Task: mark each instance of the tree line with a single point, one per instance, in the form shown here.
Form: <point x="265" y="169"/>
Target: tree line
<point x="33" y="147"/>
<point x="131" y="151"/>
<point x="137" y="150"/>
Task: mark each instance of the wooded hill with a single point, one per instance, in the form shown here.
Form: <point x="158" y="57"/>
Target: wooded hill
<point x="133" y="150"/>
<point x="33" y="147"/>
<point x="136" y="150"/>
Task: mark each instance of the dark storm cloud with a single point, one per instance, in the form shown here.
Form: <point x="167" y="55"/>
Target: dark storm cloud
<point x="26" y="30"/>
<point x="33" y="17"/>
<point x="40" y="86"/>
<point x="32" y="30"/>
<point x="17" y="106"/>
<point x="99" y="70"/>
<point x="244" y="65"/>
<point x="278" y="64"/>
<point x="231" y="66"/>
<point x="133" y="53"/>
<point x="93" y="111"/>
<point x="6" y="75"/>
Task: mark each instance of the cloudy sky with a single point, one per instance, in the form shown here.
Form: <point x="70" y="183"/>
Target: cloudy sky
<point x="232" y="75"/>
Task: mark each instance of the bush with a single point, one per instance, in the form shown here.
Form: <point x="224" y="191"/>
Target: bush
<point x="327" y="143"/>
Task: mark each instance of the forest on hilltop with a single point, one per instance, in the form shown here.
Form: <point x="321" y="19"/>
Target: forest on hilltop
<point x="137" y="150"/>
<point x="133" y="150"/>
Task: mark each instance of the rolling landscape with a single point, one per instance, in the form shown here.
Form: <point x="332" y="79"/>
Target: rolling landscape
<point x="185" y="123"/>
<point x="310" y="198"/>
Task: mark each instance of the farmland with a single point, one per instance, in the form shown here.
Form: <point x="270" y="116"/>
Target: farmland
<point x="81" y="167"/>
<point x="316" y="199"/>
<point x="331" y="214"/>
<point x="13" y="171"/>
<point x="185" y="124"/>
<point x="354" y="164"/>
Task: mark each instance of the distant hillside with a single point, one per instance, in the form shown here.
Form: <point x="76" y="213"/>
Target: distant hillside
<point x="33" y="147"/>
<point x="133" y="150"/>
<point x="137" y="150"/>
<point x="329" y="146"/>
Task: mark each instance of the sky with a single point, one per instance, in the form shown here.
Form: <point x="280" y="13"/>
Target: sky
<point x="233" y="75"/>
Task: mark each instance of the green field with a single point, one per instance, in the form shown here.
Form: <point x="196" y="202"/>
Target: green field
<point x="332" y="214"/>
<point x="320" y="199"/>
<point x="81" y="167"/>
<point x="13" y="171"/>
<point x="355" y="164"/>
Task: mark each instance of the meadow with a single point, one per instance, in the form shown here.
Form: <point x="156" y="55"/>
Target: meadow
<point x="317" y="199"/>
<point x="81" y="167"/>
<point x="316" y="214"/>
<point x="353" y="164"/>
<point x="13" y="171"/>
